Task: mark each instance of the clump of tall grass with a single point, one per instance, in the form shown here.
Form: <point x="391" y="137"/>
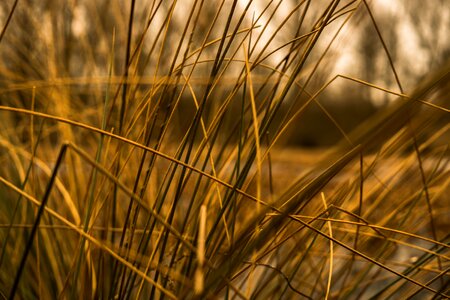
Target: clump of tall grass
<point x="145" y="151"/>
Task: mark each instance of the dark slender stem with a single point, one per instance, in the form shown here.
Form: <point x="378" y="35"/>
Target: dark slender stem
<point x="37" y="221"/>
<point x="127" y="66"/>
<point x="8" y="20"/>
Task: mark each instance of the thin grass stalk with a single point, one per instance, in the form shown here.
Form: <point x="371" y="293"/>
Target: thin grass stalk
<point x="39" y="213"/>
<point x="8" y="19"/>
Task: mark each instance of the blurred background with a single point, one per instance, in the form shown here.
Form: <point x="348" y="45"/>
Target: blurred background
<point x="66" y="46"/>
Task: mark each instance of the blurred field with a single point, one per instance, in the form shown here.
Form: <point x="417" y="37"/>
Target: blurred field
<point x="224" y="150"/>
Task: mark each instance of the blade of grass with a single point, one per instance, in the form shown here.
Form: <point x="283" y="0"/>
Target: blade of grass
<point x="40" y="211"/>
